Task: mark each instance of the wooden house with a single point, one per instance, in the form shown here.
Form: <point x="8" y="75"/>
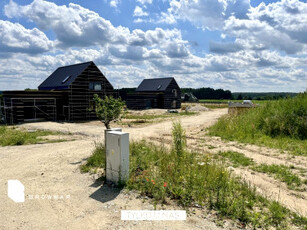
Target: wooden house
<point x="67" y="94"/>
<point x="163" y="93"/>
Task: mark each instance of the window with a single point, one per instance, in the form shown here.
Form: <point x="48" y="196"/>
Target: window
<point x="66" y="79"/>
<point x="95" y="86"/>
<point x="174" y="92"/>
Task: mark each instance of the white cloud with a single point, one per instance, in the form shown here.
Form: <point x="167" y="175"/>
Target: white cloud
<point x="73" y="25"/>
<point x="15" y="38"/>
<point x="281" y="26"/>
<point x="138" y="12"/>
<point x="286" y="16"/>
<point x="143" y="2"/>
<point x="114" y="3"/>
<point x="206" y="14"/>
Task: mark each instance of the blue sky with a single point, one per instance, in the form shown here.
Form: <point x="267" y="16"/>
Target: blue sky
<point x="239" y="45"/>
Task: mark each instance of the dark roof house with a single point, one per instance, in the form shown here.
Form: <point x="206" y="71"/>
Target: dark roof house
<point x="67" y="94"/>
<point x="155" y="84"/>
<point x="64" y="76"/>
<point x="161" y="93"/>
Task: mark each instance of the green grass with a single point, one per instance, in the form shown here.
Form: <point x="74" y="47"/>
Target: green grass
<point x="215" y="106"/>
<point x="14" y="136"/>
<point x="280" y="172"/>
<point x="277" y="124"/>
<point x="237" y="159"/>
<point x="95" y="161"/>
<point x="152" y="116"/>
<point x="224" y="101"/>
<point x="191" y="178"/>
<point x="139" y="119"/>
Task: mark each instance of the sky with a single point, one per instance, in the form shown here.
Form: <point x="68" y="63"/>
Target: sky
<point x="239" y="45"/>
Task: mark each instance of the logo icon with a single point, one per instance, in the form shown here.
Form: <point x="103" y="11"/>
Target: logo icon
<point x="16" y="191"/>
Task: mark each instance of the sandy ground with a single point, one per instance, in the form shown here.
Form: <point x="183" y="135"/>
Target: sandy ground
<point x="52" y="170"/>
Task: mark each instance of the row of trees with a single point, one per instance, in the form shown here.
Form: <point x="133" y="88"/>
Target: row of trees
<point x="201" y="93"/>
<point x="262" y="96"/>
<point x="208" y="93"/>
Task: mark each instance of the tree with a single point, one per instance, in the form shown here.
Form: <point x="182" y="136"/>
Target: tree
<point x="108" y="109"/>
<point x="239" y="97"/>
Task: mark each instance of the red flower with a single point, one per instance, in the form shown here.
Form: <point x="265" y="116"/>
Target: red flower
<point x="165" y="184"/>
<point x="153" y="182"/>
<point x="147" y="179"/>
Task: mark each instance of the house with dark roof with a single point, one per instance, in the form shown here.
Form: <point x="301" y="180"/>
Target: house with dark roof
<point x="163" y="93"/>
<point x="67" y="94"/>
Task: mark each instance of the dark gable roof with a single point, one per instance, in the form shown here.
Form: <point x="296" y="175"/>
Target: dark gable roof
<point x="55" y="80"/>
<point x="155" y="84"/>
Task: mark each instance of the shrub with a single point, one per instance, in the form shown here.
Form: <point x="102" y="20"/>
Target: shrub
<point x="108" y="109"/>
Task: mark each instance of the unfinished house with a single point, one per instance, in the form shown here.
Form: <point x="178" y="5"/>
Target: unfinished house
<point x="67" y="95"/>
<point x="163" y="93"/>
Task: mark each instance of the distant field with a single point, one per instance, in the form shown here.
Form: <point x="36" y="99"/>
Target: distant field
<point x="215" y="101"/>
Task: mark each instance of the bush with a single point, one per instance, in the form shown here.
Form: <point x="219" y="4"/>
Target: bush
<point x="108" y="109"/>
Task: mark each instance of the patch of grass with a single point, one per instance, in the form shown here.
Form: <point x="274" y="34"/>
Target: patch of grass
<point x="277" y="213"/>
<point x="237" y="159"/>
<point x="277" y="124"/>
<point x="299" y="220"/>
<point x="156" y="116"/>
<point x="96" y="160"/>
<point x="280" y="172"/>
<point x="224" y="101"/>
<point x="14" y="136"/>
<point x="139" y="119"/>
<point x="215" y="106"/>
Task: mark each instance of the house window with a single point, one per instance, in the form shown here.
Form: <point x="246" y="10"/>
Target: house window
<point x="95" y="86"/>
<point x="66" y="79"/>
<point x="174" y="92"/>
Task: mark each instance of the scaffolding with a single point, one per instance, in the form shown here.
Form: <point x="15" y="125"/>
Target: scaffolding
<point x="30" y="109"/>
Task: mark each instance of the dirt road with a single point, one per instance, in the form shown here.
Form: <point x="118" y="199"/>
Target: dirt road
<point x="58" y="196"/>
